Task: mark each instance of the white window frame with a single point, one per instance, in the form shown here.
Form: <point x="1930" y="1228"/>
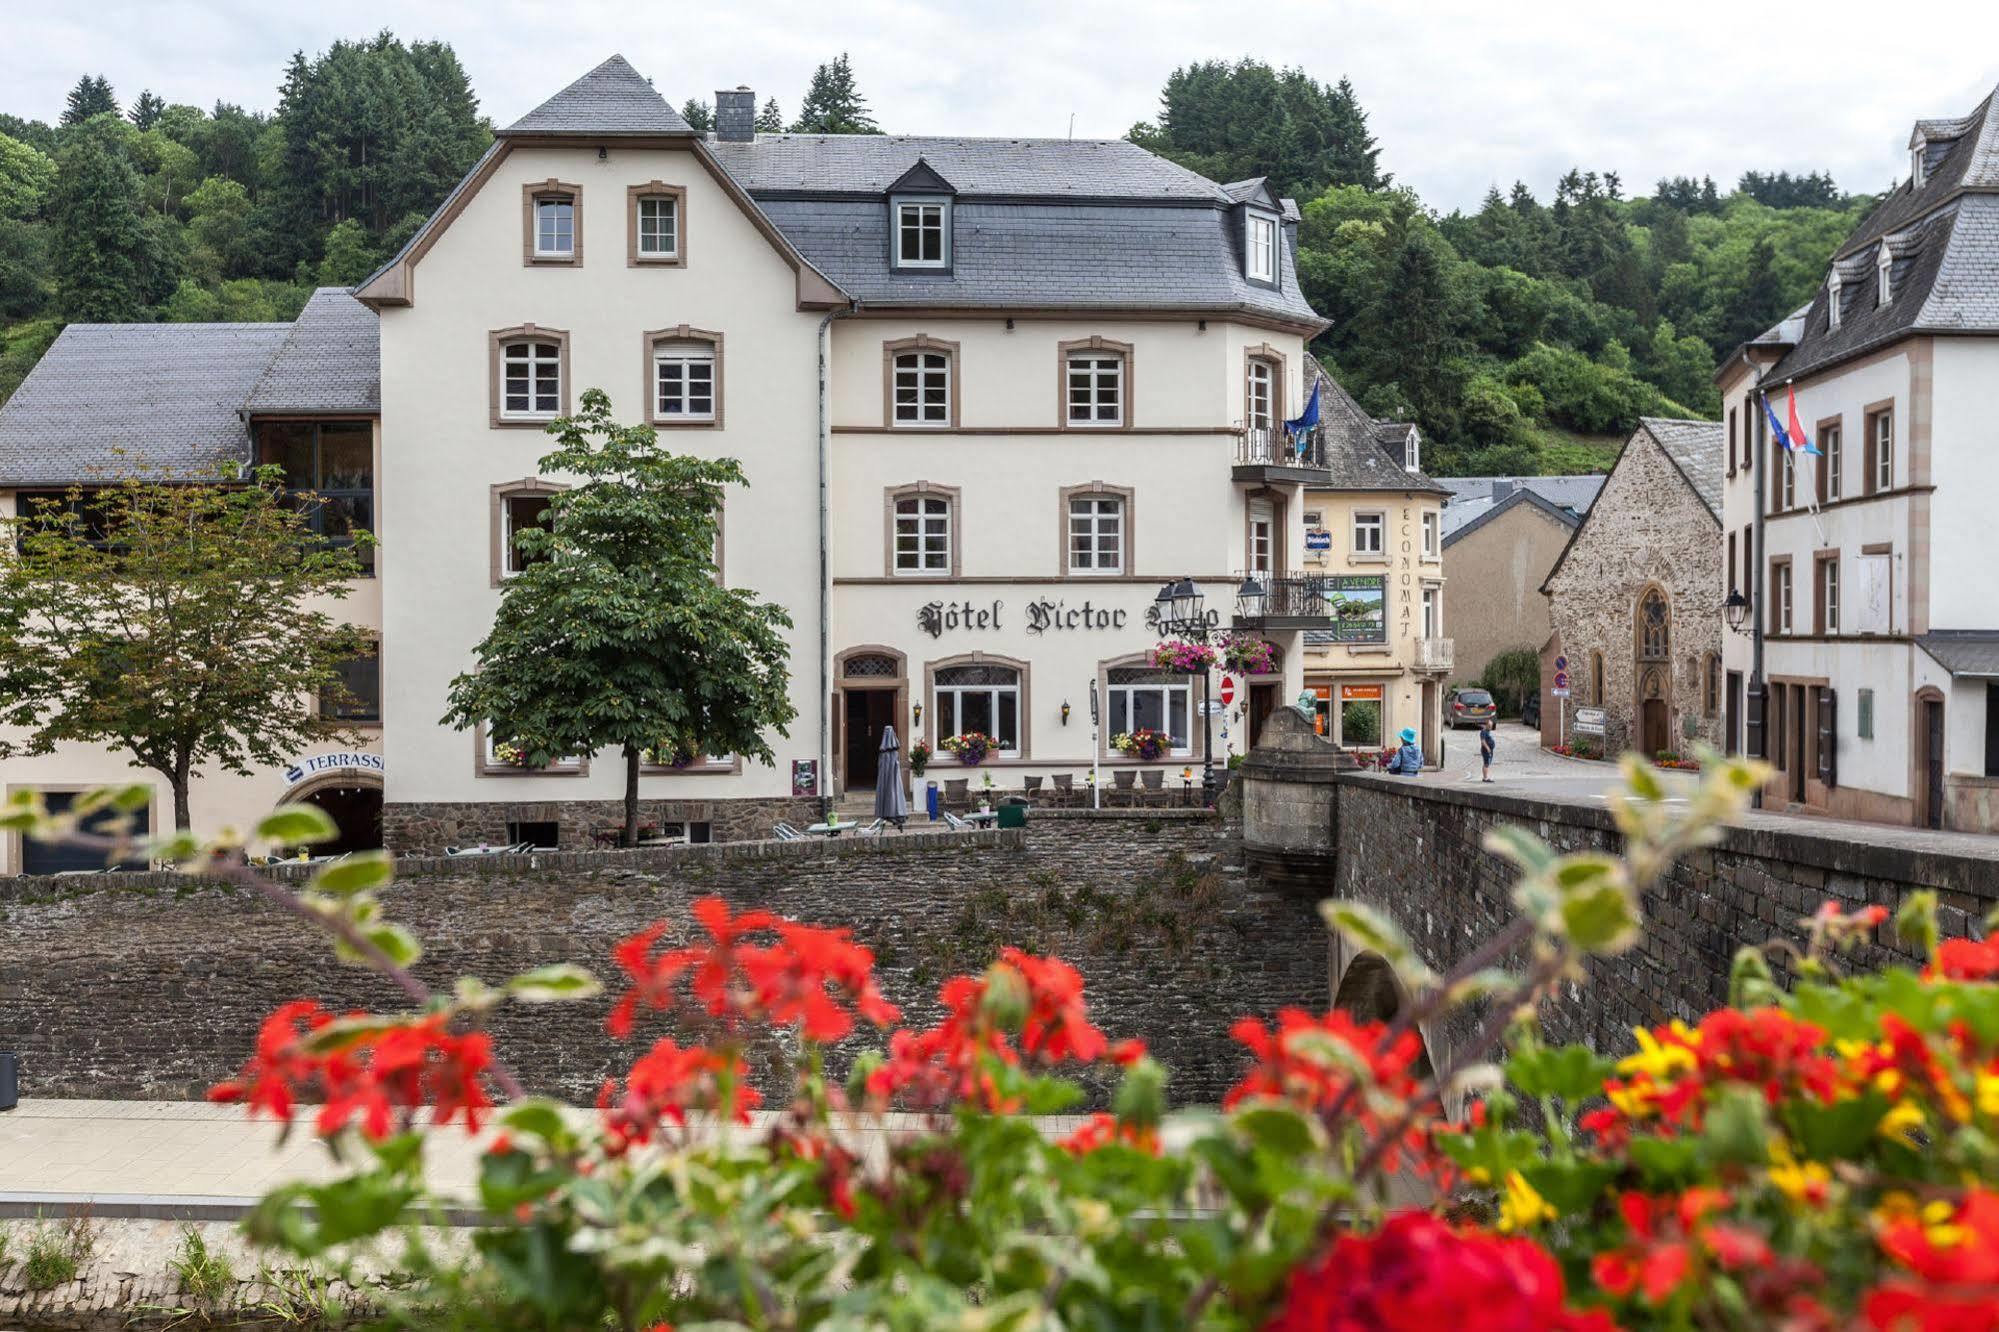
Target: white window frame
<point x="546" y="230"/>
<point x="1829" y="590"/>
<point x="928" y="370"/>
<point x="1260" y="395"/>
<point x="1370" y="533"/>
<point x="1096" y="534"/>
<point x="954" y="710"/>
<point x="671" y="230"/>
<point x="1884" y="450"/>
<point x="1832" y="286"/>
<point x="1260" y="247"/>
<point x="1099" y="376"/>
<point x="1433" y="612"/>
<point x="688" y="360"/>
<point x="1832" y="447"/>
<point x="931" y="215"/>
<point x="492" y="760"/>
<point x="541" y="367"/>
<point x="1431" y="528"/>
<point x="1121" y="707"/>
<point x="1262" y="519"/>
<point x="926" y="529"/>
<point x="1788" y="492"/>
<point x="508" y="568"/>
<point x="1784" y="598"/>
<point x="1884" y="286"/>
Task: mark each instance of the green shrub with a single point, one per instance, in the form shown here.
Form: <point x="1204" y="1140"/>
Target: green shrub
<point x="203" y="1273"/>
<point x="56" y="1253"/>
<point x="1512" y="677"/>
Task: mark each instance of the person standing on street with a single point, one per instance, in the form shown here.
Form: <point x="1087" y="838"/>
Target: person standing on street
<point x="1487" y="742"/>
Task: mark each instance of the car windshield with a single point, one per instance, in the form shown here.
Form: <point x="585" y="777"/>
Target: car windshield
<point x="1474" y="698"/>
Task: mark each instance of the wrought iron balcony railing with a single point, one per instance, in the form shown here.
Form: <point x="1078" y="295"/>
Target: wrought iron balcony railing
<point x="1277" y="601"/>
<point x="1268" y="446"/>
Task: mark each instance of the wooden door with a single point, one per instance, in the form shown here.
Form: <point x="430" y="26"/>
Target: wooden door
<point x="1932" y="763"/>
<point x="1262" y="699"/>
<point x="1652" y="726"/>
<point x="867" y="712"/>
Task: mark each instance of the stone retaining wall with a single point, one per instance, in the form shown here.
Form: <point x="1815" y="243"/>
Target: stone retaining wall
<point x="152" y="985"/>
<point x="428" y="827"/>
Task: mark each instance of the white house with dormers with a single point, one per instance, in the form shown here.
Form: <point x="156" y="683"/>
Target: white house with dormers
<point x="990" y="395"/>
<point x="1865" y="664"/>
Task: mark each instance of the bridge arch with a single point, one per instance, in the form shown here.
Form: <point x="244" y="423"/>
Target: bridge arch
<point x="1366" y="988"/>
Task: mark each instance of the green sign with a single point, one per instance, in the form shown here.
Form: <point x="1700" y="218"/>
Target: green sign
<point x="1358" y="605"/>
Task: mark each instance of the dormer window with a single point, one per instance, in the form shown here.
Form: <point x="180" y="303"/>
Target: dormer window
<point x="1917" y="150"/>
<point x="1884" y="268"/>
<point x="1260" y="248"/>
<point x="1832" y="302"/>
<point x="922" y="233"/>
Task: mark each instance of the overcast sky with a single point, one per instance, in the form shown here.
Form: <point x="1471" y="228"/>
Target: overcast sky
<point x="1462" y="95"/>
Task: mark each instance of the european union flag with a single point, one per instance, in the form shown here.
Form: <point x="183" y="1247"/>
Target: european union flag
<point x="1307" y="419"/>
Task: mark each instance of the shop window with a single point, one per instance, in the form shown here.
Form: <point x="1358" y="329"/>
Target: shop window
<point x="329" y="476"/>
<point x="979" y="697"/>
<point x="1152" y="700"/>
<point x="1360" y="719"/>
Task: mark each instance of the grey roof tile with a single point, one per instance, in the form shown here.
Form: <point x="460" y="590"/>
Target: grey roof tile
<point x="1472" y="497"/>
<point x="867" y="164"/>
<point x="114" y="400"/>
<point x="1354" y="452"/>
<point x="1489" y="510"/>
<point x="330" y="361"/>
<point x="611" y="99"/>
<point x="1696" y="449"/>
<point x="1964" y="652"/>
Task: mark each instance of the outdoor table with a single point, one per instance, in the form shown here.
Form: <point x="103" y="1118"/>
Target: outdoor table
<point x="829" y="829"/>
<point x="982" y="819"/>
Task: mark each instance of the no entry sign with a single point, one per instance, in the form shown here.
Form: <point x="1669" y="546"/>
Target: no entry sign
<point x="1228" y="690"/>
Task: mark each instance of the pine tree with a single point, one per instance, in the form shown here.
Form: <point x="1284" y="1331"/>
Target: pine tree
<point x="770" y="120"/>
<point x="698" y="114"/>
<point x="833" y="105"/>
<point x="92" y="96"/>
<point x="103" y="256"/>
<point x="145" y="112"/>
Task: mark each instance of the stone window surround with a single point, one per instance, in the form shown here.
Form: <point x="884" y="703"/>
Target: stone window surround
<point x="921" y="342"/>
<point x="374" y="637"/>
<point x="1599" y="681"/>
<point x="1820" y="559"/>
<point x="1829" y="478"/>
<point x="496" y="342"/>
<point x="1025" y="716"/>
<point x="708" y="767"/>
<point x="1263" y="351"/>
<point x="1126" y="525"/>
<point x="482" y="767"/>
<point x="1882" y="548"/>
<point x="1123" y="350"/>
<point x="496" y="518"/>
<point x="1431" y="525"/>
<point x="15" y="840"/>
<point x="1873" y="413"/>
<point x="1638" y="623"/>
<point x="1710" y="684"/>
<point x="1781" y="615"/>
<point x="530" y="196"/>
<point x="655" y="189"/>
<point x="649" y="346"/>
<point x="1109" y="757"/>
<point x="1355" y="555"/>
<point x="923" y="488"/>
<point x="1280" y="548"/>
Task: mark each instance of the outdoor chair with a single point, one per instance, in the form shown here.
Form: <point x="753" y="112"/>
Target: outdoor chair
<point x="953" y="822"/>
<point x="1154" y="778"/>
<point x="511" y="849"/>
<point x="1031" y="782"/>
<point x="784" y="832"/>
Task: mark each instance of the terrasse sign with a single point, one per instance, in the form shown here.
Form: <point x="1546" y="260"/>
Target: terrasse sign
<point x="317" y="765"/>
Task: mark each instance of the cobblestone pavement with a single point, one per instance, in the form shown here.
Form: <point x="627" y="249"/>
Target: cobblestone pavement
<point x="1521" y="767"/>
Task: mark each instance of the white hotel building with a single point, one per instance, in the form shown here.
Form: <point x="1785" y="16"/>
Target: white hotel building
<point x="989" y="394"/>
<point x="1866" y="667"/>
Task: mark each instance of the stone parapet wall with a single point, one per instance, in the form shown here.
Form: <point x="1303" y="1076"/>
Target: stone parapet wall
<point x="152" y="985"/>
<point x="428" y="827"/>
<point x="1414" y="850"/>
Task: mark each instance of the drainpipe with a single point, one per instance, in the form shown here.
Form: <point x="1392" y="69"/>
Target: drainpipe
<point x="1758" y="467"/>
<point x="825" y="563"/>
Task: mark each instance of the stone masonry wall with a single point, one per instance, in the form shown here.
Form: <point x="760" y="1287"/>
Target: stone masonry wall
<point x="152" y="985"/>
<point x="423" y="828"/>
<point x="1414" y="850"/>
<point x="1647" y="526"/>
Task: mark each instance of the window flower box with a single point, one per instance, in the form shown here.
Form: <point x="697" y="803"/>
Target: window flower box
<point x="971" y="748"/>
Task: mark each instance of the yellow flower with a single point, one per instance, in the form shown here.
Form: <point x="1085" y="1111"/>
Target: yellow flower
<point x="1658" y="1061"/>
<point x="1900" y="1123"/>
<point x="1801" y="1183"/>
<point x="1988" y="1093"/>
<point x="1522" y="1207"/>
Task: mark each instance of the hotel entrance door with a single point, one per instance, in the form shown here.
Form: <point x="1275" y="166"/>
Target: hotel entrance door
<point x="868" y="711"/>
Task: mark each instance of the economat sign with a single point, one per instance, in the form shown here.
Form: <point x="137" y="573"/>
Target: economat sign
<point x="319" y="765"/>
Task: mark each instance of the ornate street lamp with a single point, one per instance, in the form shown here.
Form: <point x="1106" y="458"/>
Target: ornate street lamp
<point x="1251" y="599"/>
<point x="1182" y="612"/>
<point x="1736" y="608"/>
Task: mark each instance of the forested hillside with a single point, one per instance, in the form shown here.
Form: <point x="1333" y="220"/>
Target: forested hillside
<point x="1526" y="336"/>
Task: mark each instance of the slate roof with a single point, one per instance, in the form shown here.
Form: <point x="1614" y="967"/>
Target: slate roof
<point x="1942" y="241"/>
<point x="108" y="401"/>
<point x="817" y="165"/>
<point x="1696" y="449"/>
<point x="1468" y="522"/>
<point x="1354" y="453"/>
<point x="330" y="360"/>
<point x="1964" y="652"/>
<point x="1472" y="496"/>
<point x="612" y="99"/>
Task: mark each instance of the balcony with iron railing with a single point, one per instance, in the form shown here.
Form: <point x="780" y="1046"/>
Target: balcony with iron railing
<point x="1267" y="455"/>
<point x="1282" y="601"/>
<point x="1436" y="655"/>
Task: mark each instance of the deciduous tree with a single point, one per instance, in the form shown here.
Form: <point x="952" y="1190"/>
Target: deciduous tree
<point x="617" y="634"/>
<point x="183" y="625"/>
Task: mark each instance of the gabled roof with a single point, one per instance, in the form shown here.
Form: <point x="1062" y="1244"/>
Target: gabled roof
<point x="1354" y="452"/>
<point x="108" y="401"/>
<point x="1490" y="512"/>
<point x="612" y="99"/>
<point x="1963" y="155"/>
<point x="330" y="361"/>
<point x="921" y="178"/>
<point x="1255" y="191"/>
<point x="1695" y="450"/>
<point x="1472" y="497"/>
<point x="816" y="165"/>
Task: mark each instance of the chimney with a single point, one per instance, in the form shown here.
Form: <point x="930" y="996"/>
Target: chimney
<point x="736" y="115"/>
<point x="1502" y="490"/>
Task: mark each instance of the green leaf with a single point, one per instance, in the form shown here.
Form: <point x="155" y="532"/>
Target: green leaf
<point x="558" y="982"/>
<point x="1665" y="1162"/>
<point x="347" y="1032"/>
<point x="1278" y="1128"/>
<point x="1571" y="1187"/>
<point x="1916" y="921"/>
<point x="297" y="825"/>
<point x="1512" y="842"/>
<point x="397" y="943"/>
<point x="1751" y="983"/>
<point x="1737" y="1130"/>
<point x="1573" y="1072"/>
<point x="540" y="1118"/>
<point x="177" y="849"/>
<point x="1840" y="1131"/>
<point x="357" y="873"/>
<point x="1601" y="918"/>
<point x="1373" y="931"/>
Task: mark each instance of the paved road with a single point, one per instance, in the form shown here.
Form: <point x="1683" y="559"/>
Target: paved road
<point x="1521" y="766"/>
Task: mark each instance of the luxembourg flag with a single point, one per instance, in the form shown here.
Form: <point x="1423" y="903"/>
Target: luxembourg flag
<point x="1793" y="440"/>
<point x="1799" y="439"/>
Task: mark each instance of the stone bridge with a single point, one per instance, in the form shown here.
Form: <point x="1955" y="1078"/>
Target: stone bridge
<point x="1316" y="827"/>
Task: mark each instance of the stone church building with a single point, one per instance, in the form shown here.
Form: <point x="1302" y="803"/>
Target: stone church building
<point x="1635" y="596"/>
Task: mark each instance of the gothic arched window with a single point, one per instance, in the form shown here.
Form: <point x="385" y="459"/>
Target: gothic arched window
<point x="1654" y="627"/>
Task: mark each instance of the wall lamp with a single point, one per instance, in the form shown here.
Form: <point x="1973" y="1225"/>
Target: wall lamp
<point x="1736" y="608"/>
<point x="1065" y="712"/>
<point x="919" y="714"/>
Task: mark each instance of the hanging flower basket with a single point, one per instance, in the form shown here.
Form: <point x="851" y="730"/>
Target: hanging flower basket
<point x="971" y="747"/>
<point x="1246" y="654"/>
<point x="1176" y="654"/>
<point x="1143" y="745"/>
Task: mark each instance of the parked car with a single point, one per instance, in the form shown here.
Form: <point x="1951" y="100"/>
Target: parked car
<point x="1530" y="711"/>
<point x="1469" y="707"/>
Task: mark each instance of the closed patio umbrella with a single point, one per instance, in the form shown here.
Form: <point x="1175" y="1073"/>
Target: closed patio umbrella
<point x="890" y="803"/>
